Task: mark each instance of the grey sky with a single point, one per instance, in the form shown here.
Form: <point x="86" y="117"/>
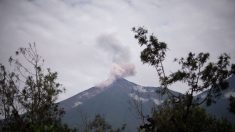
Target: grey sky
<point x="72" y="35"/>
<point x="113" y="48"/>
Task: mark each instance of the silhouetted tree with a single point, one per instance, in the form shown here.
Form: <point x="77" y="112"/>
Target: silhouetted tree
<point x="100" y="125"/>
<point x="196" y="72"/>
<point x="232" y="98"/>
<point x="232" y="104"/>
<point x="28" y="94"/>
<point x="168" y="118"/>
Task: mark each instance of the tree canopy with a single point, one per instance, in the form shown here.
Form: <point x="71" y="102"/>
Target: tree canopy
<point x="196" y="71"/>
<point x="28" y="93"/>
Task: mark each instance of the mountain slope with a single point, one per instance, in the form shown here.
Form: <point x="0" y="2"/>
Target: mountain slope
<point x="115" y="102"/>
<point x="220" y="108"/>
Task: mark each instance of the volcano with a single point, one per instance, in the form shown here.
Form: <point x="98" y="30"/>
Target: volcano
<point x="116" y="102"/>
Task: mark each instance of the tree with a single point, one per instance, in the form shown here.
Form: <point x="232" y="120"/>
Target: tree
<point x="196" y="72"/>
<point x="168" y="118"/>
<point x="28" y="94"/>
<point x="100" y="125"/>
<point x="232" y="104"/>
<point x="232" y="98"/>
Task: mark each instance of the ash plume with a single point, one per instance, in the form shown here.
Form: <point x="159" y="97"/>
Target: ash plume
<point x="121" y="66"/>
<point x="118" y="71"/>
<point x="114" y="48"/>
<point x="122" y="70"/>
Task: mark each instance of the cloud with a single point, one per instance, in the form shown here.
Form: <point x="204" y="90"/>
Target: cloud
<point x="77" y="103"/>
<point x="138" y="98"/>
<point x="157" y="101"/>
<point x="230" y="93"/>
<point x="83" y="39"/>
<point x="120" y="58"/>
<point x="113" y="47"/>
<point x="140" y="89"/>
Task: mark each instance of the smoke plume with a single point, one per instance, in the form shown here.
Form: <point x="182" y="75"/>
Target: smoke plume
<point x="121" y="66"/>
<point x="118" y="71"/>
<point x="122" y="70"/>
<point x="114" y="48"/>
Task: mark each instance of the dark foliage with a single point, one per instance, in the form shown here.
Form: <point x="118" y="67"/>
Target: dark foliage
<point x="195" y="72"/>
<point x="232" y="104"/>
<point x="100" y="125"/>
<point x="168" y="118"/>
<point x="28" y="94"/>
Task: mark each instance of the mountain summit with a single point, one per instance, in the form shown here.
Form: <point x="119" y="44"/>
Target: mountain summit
<point x="117" y="103"/>
<point x="114" y="101"/>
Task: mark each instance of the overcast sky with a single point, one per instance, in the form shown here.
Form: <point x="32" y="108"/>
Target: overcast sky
<point x="83" y="40"/>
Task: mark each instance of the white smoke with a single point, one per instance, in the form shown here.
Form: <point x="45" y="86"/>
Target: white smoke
<point x="119" y="54"/>
<point x="113" y="48"/>
<point x="122" y="70"/>
<point x="118" y="71"/>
